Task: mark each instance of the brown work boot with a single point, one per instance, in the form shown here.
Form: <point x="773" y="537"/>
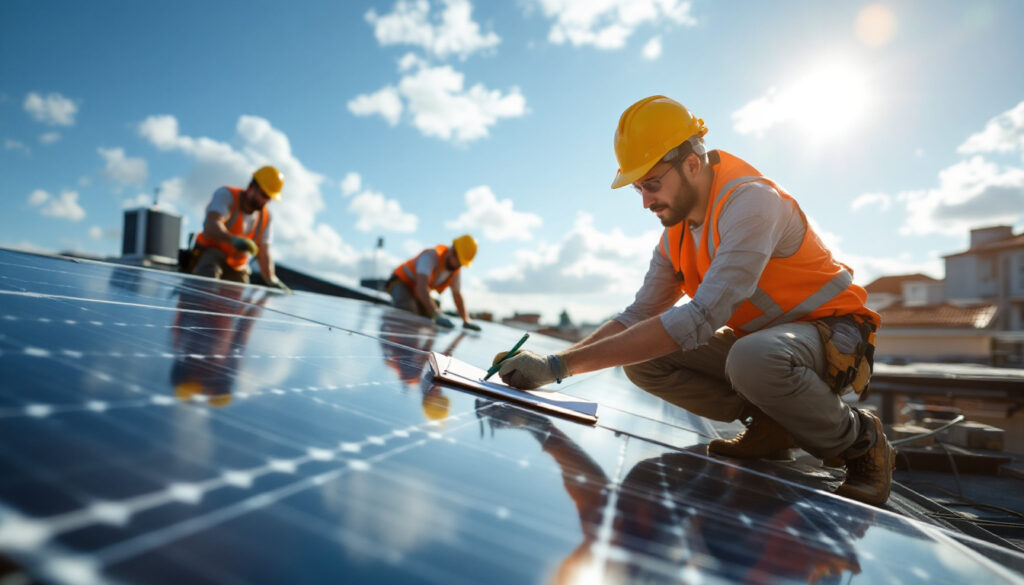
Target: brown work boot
<point x="869" y="464"/>
<point x="763" y="439"/>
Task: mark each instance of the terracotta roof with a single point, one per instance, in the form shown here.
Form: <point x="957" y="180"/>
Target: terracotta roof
<point x="944" y="315"/>
<point x="894" y="284"/>
<point x="1011" y="242"/>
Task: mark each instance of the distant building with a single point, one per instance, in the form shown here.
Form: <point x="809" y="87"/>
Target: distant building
<point x="527" y="321"/>
<point x="975" y="314"/>
<point x="991" y="270"/>
<point x="911" y="290"/>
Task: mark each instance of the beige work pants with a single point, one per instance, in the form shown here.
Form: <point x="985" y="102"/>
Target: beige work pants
<point x="777" y="369"/>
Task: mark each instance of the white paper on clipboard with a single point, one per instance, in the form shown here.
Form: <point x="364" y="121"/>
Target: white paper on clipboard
<point x="458" y="373"/>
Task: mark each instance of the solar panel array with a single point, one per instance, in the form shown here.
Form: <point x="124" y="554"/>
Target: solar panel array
<point x="160" y="428"/>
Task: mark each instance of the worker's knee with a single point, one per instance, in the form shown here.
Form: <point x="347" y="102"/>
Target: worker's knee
<point x="645" y="374"/>
<point x="754" y="364"/>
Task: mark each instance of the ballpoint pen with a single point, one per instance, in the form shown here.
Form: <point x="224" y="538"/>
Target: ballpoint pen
<point x="497" y="366"/>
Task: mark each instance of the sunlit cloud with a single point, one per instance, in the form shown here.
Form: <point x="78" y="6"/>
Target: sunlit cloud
<point x="652" y="50"/>
<point x="122" y="169"/>
<point x="608" y="24"/>
<point x="49" y="137"/>
<point x="53" y="109"/>
<point x="298" y="236"/>
<point x="376" y="212"/>
<point x="12" y="144"/>
<point x="824" y="103"/>
<point x="1004" y="133"/>
<point x="875" y="25"/>
<point x="879" y="200"/>
<point x="497" y="220"/>
<point x="453" y="32"/>
<point x="64" y="206"/>
<point x="440" y="106"/>
<point x="351" y="184"/>
<point x="384" y="102"/>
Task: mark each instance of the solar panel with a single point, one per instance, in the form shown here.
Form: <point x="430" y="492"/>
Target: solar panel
<point x="160" y="428"/>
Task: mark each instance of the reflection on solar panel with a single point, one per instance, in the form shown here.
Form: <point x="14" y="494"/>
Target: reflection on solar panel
<point x="156" y="428"/>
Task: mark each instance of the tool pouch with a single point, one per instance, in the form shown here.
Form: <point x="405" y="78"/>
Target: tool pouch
<point x="849" y="353"/>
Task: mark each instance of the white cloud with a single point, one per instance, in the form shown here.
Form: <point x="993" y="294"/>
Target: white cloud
<point x="825" y="100"/>
<point x="54" y="109"/>
<point x="497" y="219"/>
<point x="586" y="261"/>
<point x="384" y="102"/>
<point x="1004" y="133"/>
<point x="453" y="32"/>
<point x="377" y="212"/>
<point x="64" y="207"/>
<point x="440" y="107"/>
<point x="11" y="144"/>
<point x="608" y="24"/>
<point x="652" y="50"/>
<point x="298" y="238"/>
<point x="881" y="200"/>
<point x="122" y="169"/>
<point x="38" y="197"/>
<point x="49" y="137"/>
<point x="970" y="193"/>
<point x="351" y="184"/>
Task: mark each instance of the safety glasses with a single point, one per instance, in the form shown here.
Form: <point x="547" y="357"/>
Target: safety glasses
<point x="652" y="185"/>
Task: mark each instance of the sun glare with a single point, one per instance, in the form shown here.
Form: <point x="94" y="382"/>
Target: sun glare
<point x="830" y="101"/>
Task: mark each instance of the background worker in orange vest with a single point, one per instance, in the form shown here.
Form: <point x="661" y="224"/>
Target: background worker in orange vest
<point x="434" y="269"/>
<point x="238" y="227"/>
<point x="774" y="331"/>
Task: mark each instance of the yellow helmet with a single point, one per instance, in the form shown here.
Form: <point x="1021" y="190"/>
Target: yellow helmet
<point x="465" y="249"/>
<point x="270" y="180"/>
<point x="435" y="406"/>
<point x="649" y="129"/>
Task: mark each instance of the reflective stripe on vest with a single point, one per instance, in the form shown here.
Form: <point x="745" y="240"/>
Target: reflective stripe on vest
<point x="775" y="300"/>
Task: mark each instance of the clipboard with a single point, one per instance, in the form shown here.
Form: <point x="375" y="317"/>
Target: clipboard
<point x="448" y="370"/>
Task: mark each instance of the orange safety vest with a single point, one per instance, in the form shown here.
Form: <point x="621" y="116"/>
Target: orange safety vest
<point x="234" y="258"/>
<point x="406" y="271"/>
<point x="807" y="286"/>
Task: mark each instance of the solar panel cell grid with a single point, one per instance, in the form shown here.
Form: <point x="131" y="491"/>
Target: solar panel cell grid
<point x="166" y="429"/>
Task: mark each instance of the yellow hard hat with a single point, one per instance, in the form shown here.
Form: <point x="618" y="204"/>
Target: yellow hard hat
<point x="465" y="249"/>
<point x="270" y="180"/>
<point x="435" y="406"/>
<point x="649" y="129"/>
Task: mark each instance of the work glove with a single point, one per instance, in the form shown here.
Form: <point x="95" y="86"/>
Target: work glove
<point x="245" y="245"/>
<point x="442" y="321"/>
<point x="276" y="283"/>
<point x="528" y="370"/>
<point x="470" y="325"/>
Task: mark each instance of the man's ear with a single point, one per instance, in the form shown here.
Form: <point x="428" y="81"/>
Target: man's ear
<point x="691" y="166"/>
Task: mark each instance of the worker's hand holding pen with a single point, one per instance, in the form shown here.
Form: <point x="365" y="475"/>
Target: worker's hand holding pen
<point x="527" y="370"/>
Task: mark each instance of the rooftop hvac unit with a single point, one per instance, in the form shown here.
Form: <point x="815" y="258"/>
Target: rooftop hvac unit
<point x="151" y="234"/>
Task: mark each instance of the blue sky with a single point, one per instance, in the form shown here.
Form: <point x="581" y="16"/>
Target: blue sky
<point x="898" y="126"/>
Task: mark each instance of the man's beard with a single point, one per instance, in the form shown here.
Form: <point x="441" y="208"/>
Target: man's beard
<point x="681" y="206"/>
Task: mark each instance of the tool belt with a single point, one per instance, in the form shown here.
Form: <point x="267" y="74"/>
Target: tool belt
<point x="849" y="352"/>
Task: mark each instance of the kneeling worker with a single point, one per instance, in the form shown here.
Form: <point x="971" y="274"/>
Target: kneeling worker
<point x="775" y="329"/>
<point x="237" y="227"/>
<point x="434" y="269"/>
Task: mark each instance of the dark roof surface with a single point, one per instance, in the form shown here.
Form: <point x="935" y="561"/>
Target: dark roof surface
<point x="160" y="428"/>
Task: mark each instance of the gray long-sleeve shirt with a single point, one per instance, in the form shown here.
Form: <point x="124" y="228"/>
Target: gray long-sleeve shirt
<point x="756" y="224"/>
